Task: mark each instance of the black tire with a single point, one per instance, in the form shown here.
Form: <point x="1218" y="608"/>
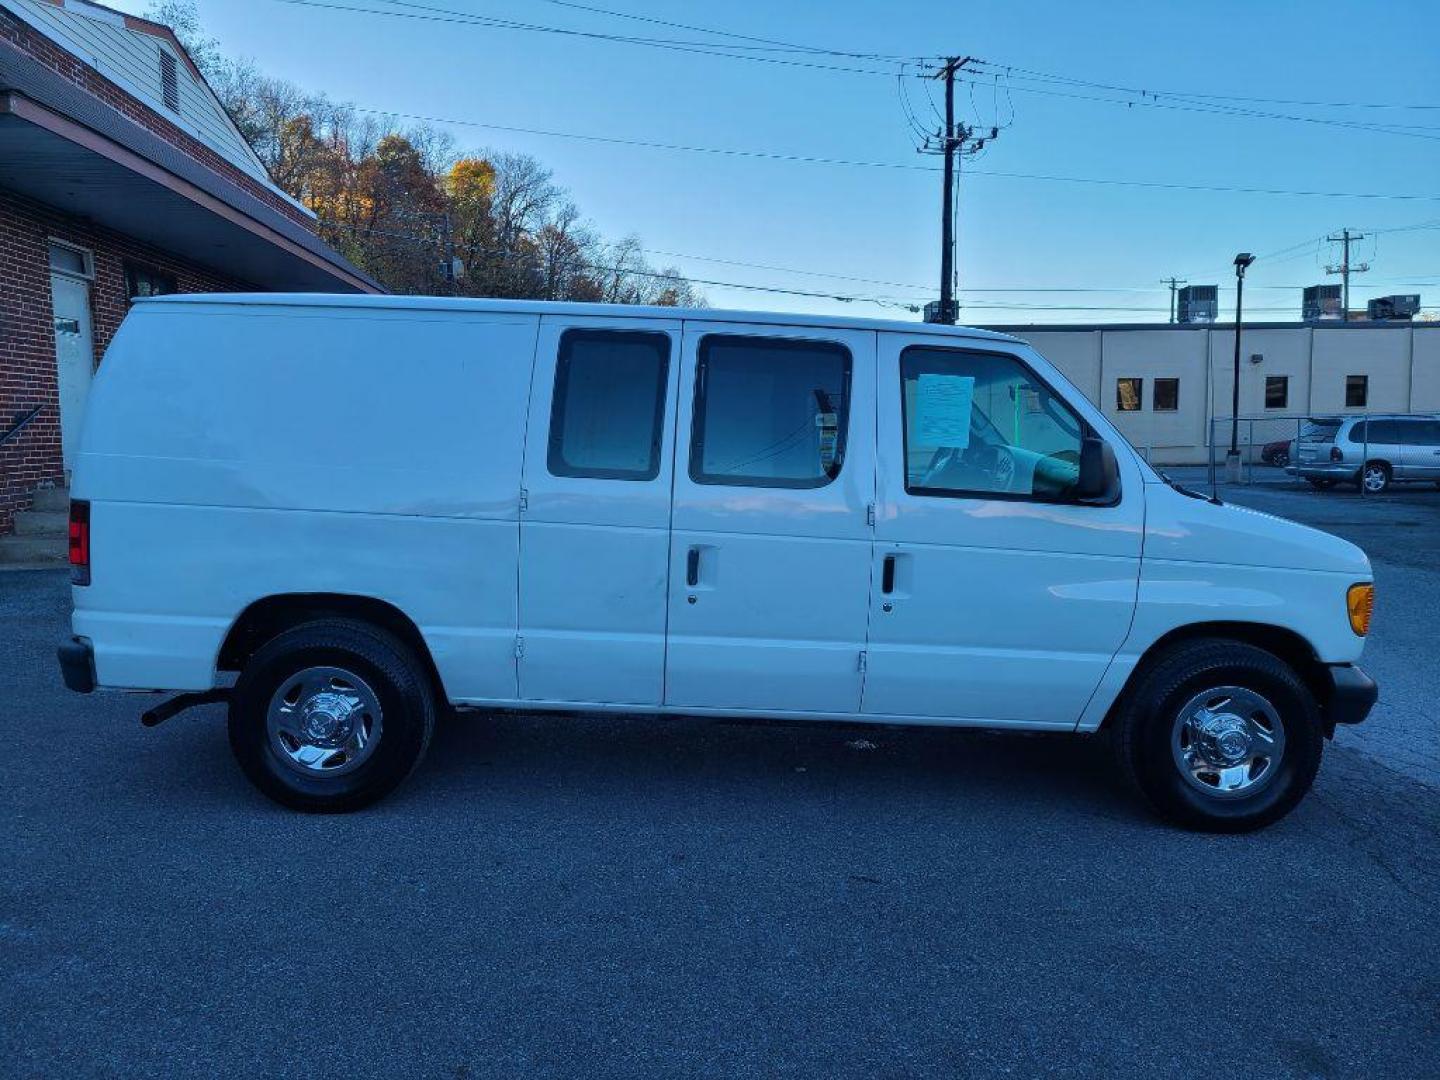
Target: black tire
<point x="1146" y="718"/>
<point x="1385" y="476"/>
<point x="391" y="671"/>
<point x="1321" y="483"/>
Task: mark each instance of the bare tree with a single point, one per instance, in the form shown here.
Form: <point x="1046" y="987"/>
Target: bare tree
<point x="398" y="201"/>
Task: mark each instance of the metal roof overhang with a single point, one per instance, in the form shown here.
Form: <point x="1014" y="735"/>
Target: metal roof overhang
<point x="64" y="164"/>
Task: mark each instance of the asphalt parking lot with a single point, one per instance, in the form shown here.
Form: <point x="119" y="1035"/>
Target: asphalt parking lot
<point x="602" y="897"/>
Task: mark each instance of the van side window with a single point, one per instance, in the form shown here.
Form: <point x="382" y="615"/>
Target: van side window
<point x="607" y="417"/>
<point x="769" y="412"/>
<point x="981" y="424"/>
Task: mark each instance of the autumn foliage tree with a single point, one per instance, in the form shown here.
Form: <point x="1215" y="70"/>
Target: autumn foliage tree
<point x="403" y="204"/>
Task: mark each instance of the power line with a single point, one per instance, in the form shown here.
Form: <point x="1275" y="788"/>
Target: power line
<point x="748" y="52"/>
<point x="721" y="33"/>
<point x="1149" y="99"/>
<point x="1052" y="77"/>
<point x="893" y="284"/>
<point x="1006" y="290"/>
<point x="912" y="305"/>
<point x="426" y="13"/>
<point x="809" y="159"/>
<point x="432" y="13"/>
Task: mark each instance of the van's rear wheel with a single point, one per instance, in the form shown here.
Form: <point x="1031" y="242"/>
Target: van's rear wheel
<point x="331" y="715"/>
<point x="1220" y="735"/>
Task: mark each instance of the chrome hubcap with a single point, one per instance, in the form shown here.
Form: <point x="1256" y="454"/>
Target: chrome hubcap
<point x="1374" y="479"/>
<point x="1228" y="741"/>
<point x="324" y="720"/>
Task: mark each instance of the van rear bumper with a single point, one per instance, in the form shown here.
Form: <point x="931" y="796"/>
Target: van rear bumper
<point x="1352" y="694"/>
<point x="77" y="665"/>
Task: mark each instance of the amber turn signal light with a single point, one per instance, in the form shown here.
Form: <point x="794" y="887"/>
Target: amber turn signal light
<point x="1360" y="600"/>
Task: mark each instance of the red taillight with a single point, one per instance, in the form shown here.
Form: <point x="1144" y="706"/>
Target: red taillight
<point x="79" y="542"/>
<point x="1336" y="454"/>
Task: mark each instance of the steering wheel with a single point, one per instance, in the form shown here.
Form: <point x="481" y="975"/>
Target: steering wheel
<point x="1004" y="468"/>
<point x="996" y="464"/>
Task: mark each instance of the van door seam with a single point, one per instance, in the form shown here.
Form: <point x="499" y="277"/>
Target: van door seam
<point x="520" y="501"/>
<point x="681" y="337"/>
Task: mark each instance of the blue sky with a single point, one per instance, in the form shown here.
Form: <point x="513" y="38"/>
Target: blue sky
<point x="882" y="224"/>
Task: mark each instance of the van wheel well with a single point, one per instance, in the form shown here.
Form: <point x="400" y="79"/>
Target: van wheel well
<point x="264" y="619"/>
<point x="1276" y="640"/>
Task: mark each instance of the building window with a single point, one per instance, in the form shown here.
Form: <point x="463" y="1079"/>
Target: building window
<point x="607" y="417"/>
<point x="1166" y="395"/>
<point x="1277" y="391"/>
<point x="169" y="81"/>
<point x="769" y="412"/>
<point x="1128" y="394"/>
<point x="142" y="280"/>
<point x="1357" y="391"/>
<point x="68" y="259"/>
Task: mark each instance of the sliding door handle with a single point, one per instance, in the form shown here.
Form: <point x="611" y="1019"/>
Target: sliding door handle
<point x="692" y="567"/>
<point x="887" y="576"/>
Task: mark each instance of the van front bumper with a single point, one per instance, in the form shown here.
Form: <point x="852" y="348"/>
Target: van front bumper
<point x="77" y="665"/>
<point x="1352" y="694"/>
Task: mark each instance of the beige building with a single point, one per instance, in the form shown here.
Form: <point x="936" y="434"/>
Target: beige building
<point x="1161" y="385"/>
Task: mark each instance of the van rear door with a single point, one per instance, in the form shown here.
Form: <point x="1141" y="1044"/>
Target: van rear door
<point x="595" y="518"/>
<point x="770" y="548"/>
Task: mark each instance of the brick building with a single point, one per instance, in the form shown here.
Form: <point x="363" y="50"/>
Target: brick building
<point x="121" y="175"/>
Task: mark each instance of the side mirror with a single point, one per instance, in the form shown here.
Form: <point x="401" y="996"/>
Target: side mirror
<point x="1099" y="471"/>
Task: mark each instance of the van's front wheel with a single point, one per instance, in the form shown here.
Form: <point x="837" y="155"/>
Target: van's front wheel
<point x="331" y="715"/>
<point x="1220" y="735"/>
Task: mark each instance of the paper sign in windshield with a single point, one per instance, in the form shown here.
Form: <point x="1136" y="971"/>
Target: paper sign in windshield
<point x="942" y="407"/>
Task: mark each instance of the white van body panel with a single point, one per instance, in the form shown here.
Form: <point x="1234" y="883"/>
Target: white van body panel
<point x="1208" y="563"/>
<point x="1002" y="609"/>
<point x="777" y="618"/>
<point x="594" y="555"/>
<point x="240" y="451"/>
<point x="239" y="448"/>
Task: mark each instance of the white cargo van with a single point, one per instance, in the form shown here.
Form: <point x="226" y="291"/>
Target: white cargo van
<point x="362" y="510"/>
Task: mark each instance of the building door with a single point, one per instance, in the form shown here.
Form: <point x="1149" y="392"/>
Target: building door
<point x="74" y="342"/>
<point x="770" y="547"/>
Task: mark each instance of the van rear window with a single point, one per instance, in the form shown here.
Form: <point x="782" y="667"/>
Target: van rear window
<point x="607" y="416"/>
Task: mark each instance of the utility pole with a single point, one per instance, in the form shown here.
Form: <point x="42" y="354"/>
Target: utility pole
<point x="953" y="142"/>
<point x="1345" y="269"/>
<point x="449" y="267"/>
<point x="1232" y="459"/>
<point x="1174" y="284"/>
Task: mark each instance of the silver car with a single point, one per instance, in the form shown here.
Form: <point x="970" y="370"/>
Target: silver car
<point x="1370" y="451"/>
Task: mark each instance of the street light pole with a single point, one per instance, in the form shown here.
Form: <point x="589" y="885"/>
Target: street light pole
<point x="1232" y="459"/>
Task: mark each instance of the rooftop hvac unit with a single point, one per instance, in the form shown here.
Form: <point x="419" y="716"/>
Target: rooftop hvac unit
<point x="1406" y="306"/>
<point x="1197" y="303"/>
<point x="1321" y="302"/>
